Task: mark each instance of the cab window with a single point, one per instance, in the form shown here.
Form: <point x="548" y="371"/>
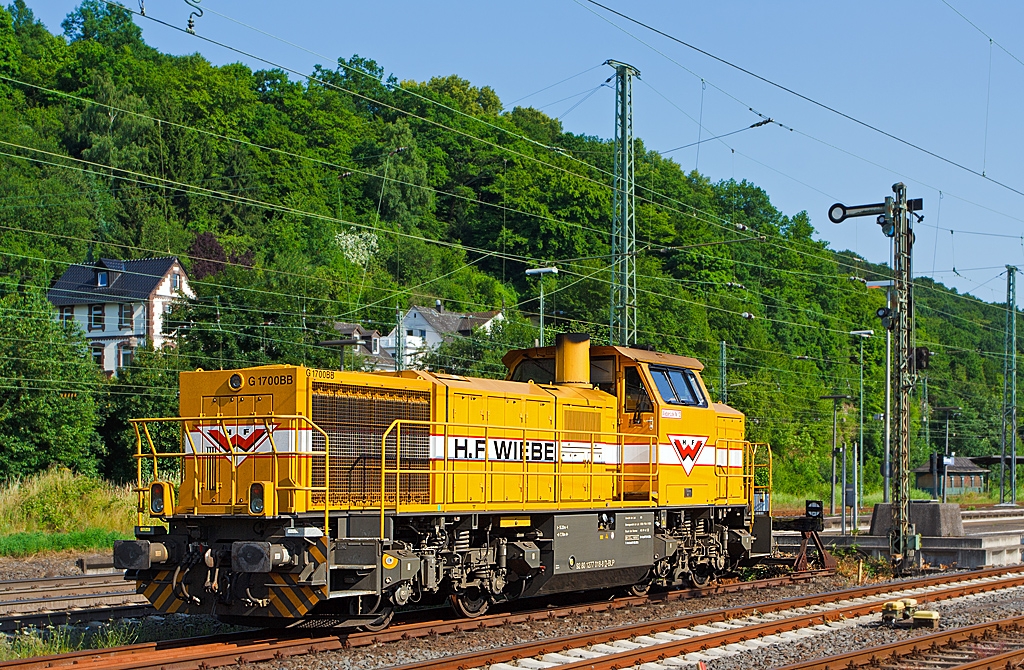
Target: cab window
<point x="637" y="399"/>
<point x="678" y="387"/>
<point x="602" y="374"/>
<point x="538" y="370"/>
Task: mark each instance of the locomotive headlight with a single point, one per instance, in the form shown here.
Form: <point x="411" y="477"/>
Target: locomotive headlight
<point x="235" y="381"/>
<point x="261" y="499"/>
<point x="256" y="492"/>
<point x="160" y="498"/>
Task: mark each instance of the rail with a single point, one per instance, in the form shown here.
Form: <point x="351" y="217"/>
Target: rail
<point x="227" y="448"/>
<point x="445" y="431"/>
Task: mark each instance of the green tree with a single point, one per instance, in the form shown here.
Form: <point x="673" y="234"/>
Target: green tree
<point x="105" y="23"/>
<point x="48" y="388"/>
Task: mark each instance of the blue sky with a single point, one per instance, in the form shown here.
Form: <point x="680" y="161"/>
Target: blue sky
<point x="915" y="69"/>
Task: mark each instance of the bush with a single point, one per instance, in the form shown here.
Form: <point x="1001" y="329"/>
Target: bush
<point x="26" y="544"/>
<point x="66" y="504"/>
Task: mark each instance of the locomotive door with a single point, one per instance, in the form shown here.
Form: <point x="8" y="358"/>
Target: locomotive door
<point x="639" y="421"/>
<point x="226" y="429"/>
<point x="467" y="456"/>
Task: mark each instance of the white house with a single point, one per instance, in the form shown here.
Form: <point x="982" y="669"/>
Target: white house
<point x="120" y="304"/>
<point x="424" y="328"/>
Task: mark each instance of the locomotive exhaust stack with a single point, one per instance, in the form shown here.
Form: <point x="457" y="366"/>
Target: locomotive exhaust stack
<point x="572" y="359"/>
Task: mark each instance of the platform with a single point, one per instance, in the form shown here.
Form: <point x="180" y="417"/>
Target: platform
<point x="972" y="551"/>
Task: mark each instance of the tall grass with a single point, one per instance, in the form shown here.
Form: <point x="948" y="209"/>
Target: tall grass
<point x="31" y="642"/>
<point x="57" y="510"/>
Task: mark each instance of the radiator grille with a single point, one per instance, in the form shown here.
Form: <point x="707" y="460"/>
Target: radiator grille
<point x="355" y="418"/>
<point x="586" y="425"/>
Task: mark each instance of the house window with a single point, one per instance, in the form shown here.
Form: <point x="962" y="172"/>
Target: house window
<point x="125" y="354"/>
<point x="124" y="315"/>
<point x="101" y="278"/>
<point x="167" y="308"/>
<point x="97" y="354"/>
<point x="67" y="314"/>
<point x="421" y="333"/>
<point x="409" y="332"/>
<point x="176" y="282"/>
<point x="375" y="345"/>
<point x="96" y="317"/>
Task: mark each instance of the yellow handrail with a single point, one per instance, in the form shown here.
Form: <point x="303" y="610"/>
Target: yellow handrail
<point x="231" y="453"/>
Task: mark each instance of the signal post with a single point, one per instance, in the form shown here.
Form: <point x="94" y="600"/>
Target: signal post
<point x="893" y="215"/>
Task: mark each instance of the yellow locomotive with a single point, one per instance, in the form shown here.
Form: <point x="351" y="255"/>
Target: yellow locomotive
<point x="301" y="495"/>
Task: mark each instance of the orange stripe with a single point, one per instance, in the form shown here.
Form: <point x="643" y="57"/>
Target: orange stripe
<point x="293" y="596"/>
<point x="279" y="605"/>
<point x="161" y="599"/>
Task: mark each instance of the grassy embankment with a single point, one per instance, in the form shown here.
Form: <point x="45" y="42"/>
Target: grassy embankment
<point x="58" y="510"/>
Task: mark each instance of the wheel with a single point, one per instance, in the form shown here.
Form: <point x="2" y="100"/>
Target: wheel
<point x="470" y="603"/>
<point x="381" y="622"/>
<point x="641" y="589"/>
<point x="701" y="575"/>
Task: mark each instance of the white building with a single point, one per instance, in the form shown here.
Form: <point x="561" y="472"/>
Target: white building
<point x="424" y="328"/>
<point x="120" y="304"/>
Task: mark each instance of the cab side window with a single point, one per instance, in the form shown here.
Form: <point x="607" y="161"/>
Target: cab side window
<point x="678" y="387"/>
<point x="636" y="399"/>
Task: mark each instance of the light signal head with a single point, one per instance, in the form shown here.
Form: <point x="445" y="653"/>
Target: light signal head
<point x="886" y="315"/>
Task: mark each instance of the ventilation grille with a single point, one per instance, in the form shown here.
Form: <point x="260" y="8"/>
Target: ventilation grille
<point x="584" y="425"/>
<point x="355" y="418"/>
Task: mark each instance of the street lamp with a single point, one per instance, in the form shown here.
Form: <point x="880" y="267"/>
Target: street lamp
<point x="341" y="344"/>
<point x="859" y="483"/>
<point x="950" y="411"/>
<point x="541" y="272"/>
<point x="836" y="400"/>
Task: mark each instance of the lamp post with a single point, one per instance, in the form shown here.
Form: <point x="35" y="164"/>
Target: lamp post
<point x="341" y="344"/>
<point x="836" y="400"/>
<point x="950" y="411"/>
<point x="541" y="272"/>
<point x="859" y="461"/>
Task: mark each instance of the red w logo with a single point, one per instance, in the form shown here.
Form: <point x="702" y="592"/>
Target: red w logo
<point x="238" y="438"/>
<point x="688" y="447"/>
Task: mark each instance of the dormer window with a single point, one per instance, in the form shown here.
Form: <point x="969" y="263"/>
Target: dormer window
<point x="101" y="278"/>
<point x="176" y="282"/>
<point x="376" y="346"/>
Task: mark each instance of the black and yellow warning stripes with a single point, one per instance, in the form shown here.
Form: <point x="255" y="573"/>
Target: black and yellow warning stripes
<point x="318" y="551"/>
<point x="159" y="591"/>
<point x="287" y="596"/>
<point x="291" y="598"/>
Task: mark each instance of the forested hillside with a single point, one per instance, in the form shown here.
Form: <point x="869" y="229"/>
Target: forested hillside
<point x="295" y="203"/>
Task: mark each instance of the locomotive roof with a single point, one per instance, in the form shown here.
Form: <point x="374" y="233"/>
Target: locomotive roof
<point x="639" y="355"/>
<point x="512" y="388"/>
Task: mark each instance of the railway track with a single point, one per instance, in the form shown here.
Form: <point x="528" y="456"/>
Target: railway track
<point x="990" y="645"/>
<point x="222" y="650"/>
<point x="65" y="600"/>
<point x="667" y="642"/>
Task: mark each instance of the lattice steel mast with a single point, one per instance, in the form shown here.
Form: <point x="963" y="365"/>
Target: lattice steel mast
<point x="1009" y="388"/>
<point x="622" y="312"/>
<point x="897" y="317"/>
<point x="906" y="376"/>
